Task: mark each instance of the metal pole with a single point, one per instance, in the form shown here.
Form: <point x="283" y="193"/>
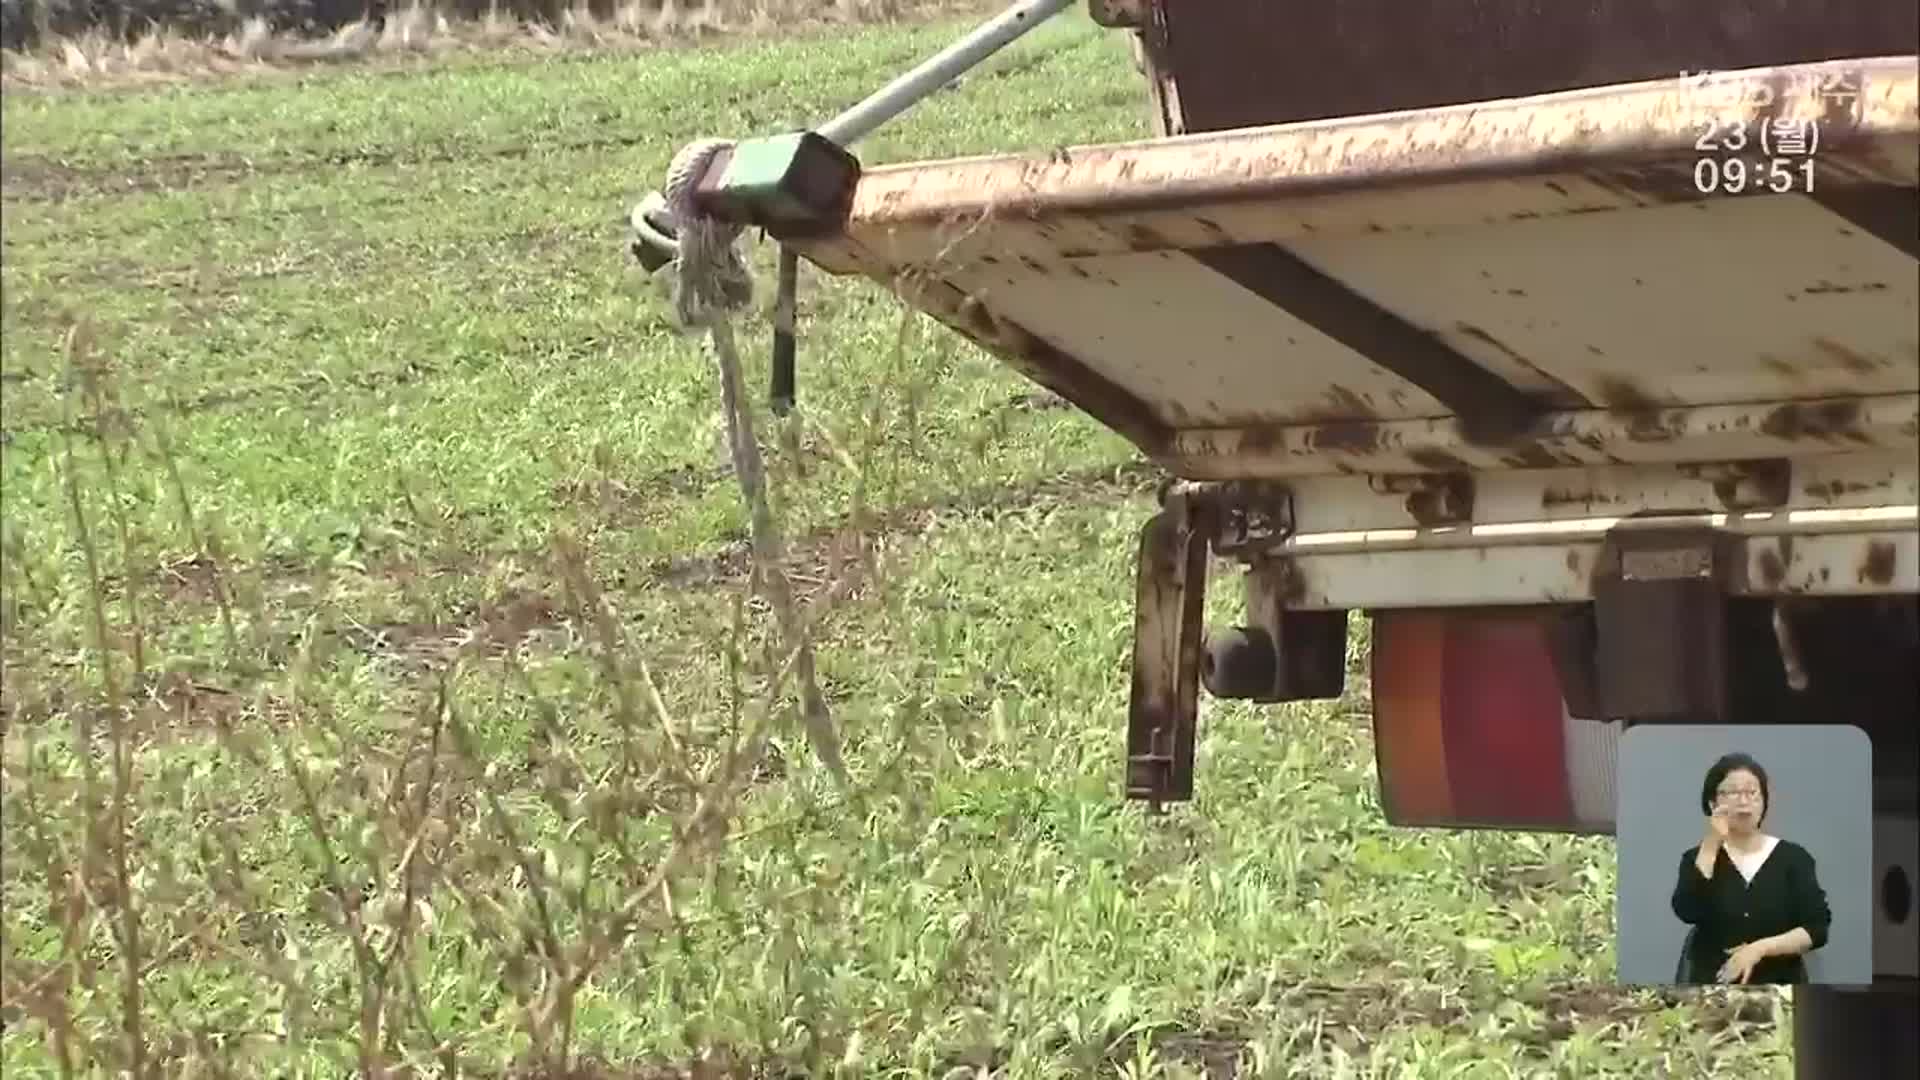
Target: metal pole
<point x="939" y="70"/>
<point x="656" y="246"/>
<point x="782" y="390"/>
<point x="879" y="107"/>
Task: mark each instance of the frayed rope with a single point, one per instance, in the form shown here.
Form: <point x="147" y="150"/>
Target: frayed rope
<point x="711" y="282"/>
<point x="710" y="277"/>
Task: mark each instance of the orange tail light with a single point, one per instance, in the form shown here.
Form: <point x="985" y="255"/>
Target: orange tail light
<point x="1471" y="727"/>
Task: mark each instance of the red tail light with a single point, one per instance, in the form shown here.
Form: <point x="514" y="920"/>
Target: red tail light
<point x="1471" y="726"/>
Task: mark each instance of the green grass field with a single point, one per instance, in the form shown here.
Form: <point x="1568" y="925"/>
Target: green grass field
<point x="379" y="653"/>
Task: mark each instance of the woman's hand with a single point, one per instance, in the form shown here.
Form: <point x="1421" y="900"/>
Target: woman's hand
<point x="1710" y="844"/>
<point x="1716" y="829"/>
<point x="1741" y="960"/>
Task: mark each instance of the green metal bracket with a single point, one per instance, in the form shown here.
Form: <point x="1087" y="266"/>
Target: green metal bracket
<point x="794" y="186"/>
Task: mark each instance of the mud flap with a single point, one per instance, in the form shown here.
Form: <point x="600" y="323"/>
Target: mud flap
<point x="1660" y="626"/>
<point x="1167" y="639"/>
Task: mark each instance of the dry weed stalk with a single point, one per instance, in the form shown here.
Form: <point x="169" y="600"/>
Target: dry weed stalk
<point x="99" y="879"/>
<point x="413" y="837"/>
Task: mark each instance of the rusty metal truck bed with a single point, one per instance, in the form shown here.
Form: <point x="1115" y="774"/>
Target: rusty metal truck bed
<point x="1526" y="283"/>
<point x="1578" y="306"/>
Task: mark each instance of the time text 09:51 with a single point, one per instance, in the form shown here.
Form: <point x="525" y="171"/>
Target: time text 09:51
<point x="1741" y="176"/>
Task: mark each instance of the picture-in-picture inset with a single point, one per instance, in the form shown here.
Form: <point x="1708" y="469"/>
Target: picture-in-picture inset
<point x="1745" y="855"/>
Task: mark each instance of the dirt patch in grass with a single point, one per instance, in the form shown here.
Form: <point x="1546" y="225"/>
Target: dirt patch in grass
<point x="1518" y="882"/>
<point x="188" y="703"/>
<point x="1038" y="401"/>
<point x="415" y="39"/>
<point x="1732" y="1009"/>
<point x="494" y="627"/>
<point x="1217" y="1056"/>
<point x="1566" y="1008"/>
<point x="715" y="1067"/>
<point x="308" y="391"/>
<point x="34" y="178"/>
<point x="160" y="705"/>
<point x="641" y="500"/>
<point x="828" y="566"/>
<point x="345" y="257"/>
<point x="1358" y="1015"/>
<point x="732" y="562"/>
<point x="201" y="579"/>
<point x="1362" y="1009"/>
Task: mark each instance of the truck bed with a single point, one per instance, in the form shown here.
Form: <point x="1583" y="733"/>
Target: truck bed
<point x="1534" y="293"/>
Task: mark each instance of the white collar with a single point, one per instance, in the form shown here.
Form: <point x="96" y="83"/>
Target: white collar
<point x="1750" y="862"/>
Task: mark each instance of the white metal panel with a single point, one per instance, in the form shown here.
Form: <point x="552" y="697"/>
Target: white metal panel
<point x="1200" y="351"/>
<point x="1337" y="503"/>
<point x="1488" y="571"/>
<point x="1794" y="428"/>
<point x="1593" y="765"/>
<point x="1735" y="299"/>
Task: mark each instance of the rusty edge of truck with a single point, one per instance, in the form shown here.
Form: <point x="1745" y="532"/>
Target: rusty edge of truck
<point x="1620" y="146"/>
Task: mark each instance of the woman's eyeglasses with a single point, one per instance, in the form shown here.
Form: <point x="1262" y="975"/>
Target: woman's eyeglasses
<point x="1738" y="794"/>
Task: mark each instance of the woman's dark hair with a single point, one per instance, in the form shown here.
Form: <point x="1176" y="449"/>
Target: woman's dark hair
<point x="1731" y="763"/>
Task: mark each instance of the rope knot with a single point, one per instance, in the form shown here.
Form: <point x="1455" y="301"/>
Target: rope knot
<point x="710" y="276"/>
